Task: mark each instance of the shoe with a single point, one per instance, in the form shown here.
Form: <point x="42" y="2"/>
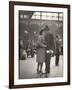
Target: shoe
<point x="41" y="72"/>
<point x="46" y="75"/>
<point x="48" y="72"/>
<point x="57" y="64"/>
<point x="38" y="71"/>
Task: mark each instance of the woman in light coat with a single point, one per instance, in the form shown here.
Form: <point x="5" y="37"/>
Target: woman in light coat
<point x="40" y="51"/>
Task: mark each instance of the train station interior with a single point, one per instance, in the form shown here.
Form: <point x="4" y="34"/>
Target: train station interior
<point x="30" y="24"/>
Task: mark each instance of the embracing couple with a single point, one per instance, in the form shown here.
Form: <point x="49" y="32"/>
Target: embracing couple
<point x="45" y="48"/>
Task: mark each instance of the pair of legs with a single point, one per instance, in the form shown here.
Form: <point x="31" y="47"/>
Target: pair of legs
<point x="57" y="60"/>
<point x="39" y="67"/>
<point x="47" y="63"/>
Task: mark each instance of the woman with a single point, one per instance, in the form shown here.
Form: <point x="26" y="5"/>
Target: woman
<point x="40" y="51"/>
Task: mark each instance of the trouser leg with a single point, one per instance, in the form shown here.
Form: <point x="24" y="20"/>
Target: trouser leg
<point x="41" y="67"/>
<point x="57" y="59"/>
<point x="38" y="67"/>
<point x="47" y="63"/>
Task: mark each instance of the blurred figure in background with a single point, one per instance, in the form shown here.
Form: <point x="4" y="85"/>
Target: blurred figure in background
<point x="22" y="52"/>
<point x="58" y="50"/>
<point x="25" y="40"/>
<point x="21" y="49"/>
<point x="30" y="49"/>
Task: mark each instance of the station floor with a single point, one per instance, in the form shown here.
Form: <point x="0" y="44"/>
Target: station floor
<point x="28" y="68"/>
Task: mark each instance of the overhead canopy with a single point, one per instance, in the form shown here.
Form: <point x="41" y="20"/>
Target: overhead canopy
<point x="41" y="15"/>
<point x="26" y="14"/>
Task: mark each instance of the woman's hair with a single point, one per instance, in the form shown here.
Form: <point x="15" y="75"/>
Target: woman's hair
<point x="41" y="32"/>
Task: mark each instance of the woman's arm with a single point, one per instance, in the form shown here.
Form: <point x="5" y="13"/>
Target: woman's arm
<point x="40" y="43"/>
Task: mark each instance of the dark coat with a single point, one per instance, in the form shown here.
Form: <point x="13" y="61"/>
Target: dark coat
<point x="49" y="39"/>
<point x="57" y="47"/>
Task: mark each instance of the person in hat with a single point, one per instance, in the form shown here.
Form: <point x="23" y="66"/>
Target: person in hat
<point x="49" y="40"/>
<point x="40" y="46"/>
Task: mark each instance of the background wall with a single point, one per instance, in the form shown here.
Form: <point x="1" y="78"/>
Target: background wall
<point x="4" y="45"/>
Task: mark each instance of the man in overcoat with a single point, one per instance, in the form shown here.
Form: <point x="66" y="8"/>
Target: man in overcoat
<point x="49" y="40"/>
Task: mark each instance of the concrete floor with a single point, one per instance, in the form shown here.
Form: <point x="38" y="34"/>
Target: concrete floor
<point x="28" y="68"/>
